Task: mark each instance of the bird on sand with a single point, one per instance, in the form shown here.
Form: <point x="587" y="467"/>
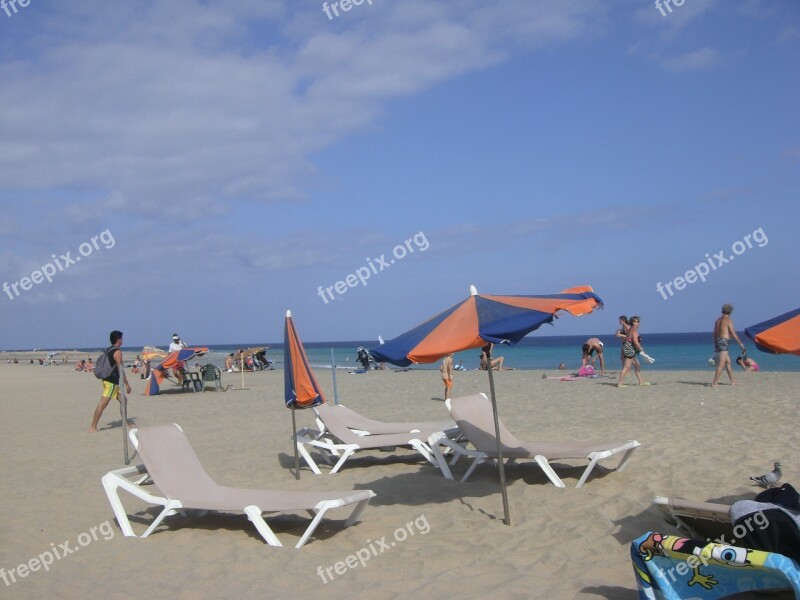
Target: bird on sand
<point x="770" y="478"/>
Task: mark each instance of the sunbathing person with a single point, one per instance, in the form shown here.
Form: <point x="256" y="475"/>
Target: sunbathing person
<point x="748" y="364"/>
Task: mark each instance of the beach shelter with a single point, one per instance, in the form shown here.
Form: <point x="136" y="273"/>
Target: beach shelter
<point x="300" y="387"/>
<point x="780" y="335"/>
<point x="160" y="372"/>
<point x="479" y="320"/>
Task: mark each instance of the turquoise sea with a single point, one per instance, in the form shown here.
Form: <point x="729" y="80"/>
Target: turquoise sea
<point x="672" y="351"/>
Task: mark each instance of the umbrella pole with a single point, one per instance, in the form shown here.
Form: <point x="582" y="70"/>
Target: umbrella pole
<point x="123" y="411"/>
<point x="294" y="437"/>
<point x="501" y="469"/>
<point x="333" y="370"/>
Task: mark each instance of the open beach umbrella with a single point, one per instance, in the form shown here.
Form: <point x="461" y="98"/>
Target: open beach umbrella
<point x="780" y="335"/>
<point x="300" y="387"/>
<point x="477" y="321"/>
<point x="160" y="372"/>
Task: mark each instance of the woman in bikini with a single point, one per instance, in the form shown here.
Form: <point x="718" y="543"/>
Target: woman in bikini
<point x="630" y="348"/>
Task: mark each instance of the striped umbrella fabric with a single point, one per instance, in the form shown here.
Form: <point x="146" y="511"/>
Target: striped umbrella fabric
<point x="780" y="335"/>
<point x="481" y="319"/>
<point x="301" y="389"/>
<point x="160" y="372"/>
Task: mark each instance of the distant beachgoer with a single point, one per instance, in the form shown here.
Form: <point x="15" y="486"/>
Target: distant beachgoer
<point x="486" y="358"/>
<point x="630" y="348"/>
<point x="137" y="365"/>
<point x="175" y="346"/>
<point x="591" y="346"/>
<point x="111" y="383"/>
<point x="446" y="369"/>
<point x="229" y="363"/>
<point x="460" y="366"/>
<point x="724" y="332"/>
<point x="562" y="366"/>
<point x="81" y="366"/>
<point x="89" y="366"/>
<point x="748" y="364"/>
<point x="622" y="333"/>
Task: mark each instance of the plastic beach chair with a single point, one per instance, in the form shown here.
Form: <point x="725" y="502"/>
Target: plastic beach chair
<point x="183" y="483"/>
<point x="337" y="436"/>
<point x="473" y="415"/>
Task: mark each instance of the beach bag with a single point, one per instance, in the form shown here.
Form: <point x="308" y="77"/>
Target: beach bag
<point x="587" y="371"/>
<point x="785" y="496"/>
<point x="103" y="367"/>
<point x="712" y="361"/>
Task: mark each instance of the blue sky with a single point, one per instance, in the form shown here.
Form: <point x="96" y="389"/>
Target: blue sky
<point x="243" y="154"/>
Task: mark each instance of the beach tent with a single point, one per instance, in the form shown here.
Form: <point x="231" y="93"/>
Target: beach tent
<point x="780" y="335"/>
<point x="300" y="387"/>
<point x="479" y="320"/>
<point x="160" y="372"/>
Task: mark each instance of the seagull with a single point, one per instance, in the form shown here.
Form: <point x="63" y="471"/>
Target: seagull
<point x="768" y="479"/>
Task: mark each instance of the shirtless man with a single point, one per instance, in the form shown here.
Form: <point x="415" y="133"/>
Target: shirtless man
<point x="591" y="346"/>
<point x="724" y="332"/>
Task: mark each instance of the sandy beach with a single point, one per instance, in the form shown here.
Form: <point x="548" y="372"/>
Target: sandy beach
<point x="697" y="442"/>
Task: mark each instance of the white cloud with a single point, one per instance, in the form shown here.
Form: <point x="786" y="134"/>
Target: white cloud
<point x="119" y="102"/>
<point x="705" y="58"/>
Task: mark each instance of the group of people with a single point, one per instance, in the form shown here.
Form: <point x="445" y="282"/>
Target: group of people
<point x="628" y="332"/>
<point x="447" y="367"/>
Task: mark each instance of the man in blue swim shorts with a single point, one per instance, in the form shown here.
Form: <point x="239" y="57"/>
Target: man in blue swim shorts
<point x="724" y="332"/>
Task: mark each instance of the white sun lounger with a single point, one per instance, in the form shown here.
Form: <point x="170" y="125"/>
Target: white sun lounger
<point x="183" y="483"/>
<point x="473" y="414"/>
<point x="338" y="437"/>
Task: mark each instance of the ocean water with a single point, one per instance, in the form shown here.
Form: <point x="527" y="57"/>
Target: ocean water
<point x="672" y="351"/>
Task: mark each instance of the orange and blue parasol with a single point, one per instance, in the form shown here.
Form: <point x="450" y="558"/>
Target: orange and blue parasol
<point x="479" y="320"/>
<point x="780" y="335"/>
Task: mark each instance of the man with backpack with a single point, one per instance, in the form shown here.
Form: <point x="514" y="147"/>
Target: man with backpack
<point x="108" y="367"/>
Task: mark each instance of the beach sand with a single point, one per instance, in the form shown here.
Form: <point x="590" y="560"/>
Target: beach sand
<point x="697" y="442"/>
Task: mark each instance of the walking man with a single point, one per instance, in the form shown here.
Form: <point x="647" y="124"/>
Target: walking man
<point x="724" y="332"/>
<point x="111" y="383"/>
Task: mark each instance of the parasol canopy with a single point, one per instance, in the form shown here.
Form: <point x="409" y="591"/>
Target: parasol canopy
<point x="160" y="372"/>
<point x="780" y="335"/>
<point x="479" y="320"/>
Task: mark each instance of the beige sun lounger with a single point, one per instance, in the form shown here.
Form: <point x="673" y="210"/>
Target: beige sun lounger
<point x="473" y="414"/>
<point x="340" y="433"/>
<point x="177" y="473"/>
<point x="365" y="426"/>
<point x="699" y="519"/>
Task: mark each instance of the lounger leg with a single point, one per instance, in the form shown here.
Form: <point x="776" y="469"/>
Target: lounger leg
<point x="587" y="472"/>
<point x="356" y="514"/>
<point x="169" y="509"/>
<point x="548" y="470"/>
<point x="254" y="514"/>
<point x="625" y="458"/>
<point x="478" y="460"/>
<point x="423" y="449"/>
<point x="440" y="461"/>
<point x="110" y="484"/>
<point x="301" y="448"/>
<point x="345" y="455"/>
